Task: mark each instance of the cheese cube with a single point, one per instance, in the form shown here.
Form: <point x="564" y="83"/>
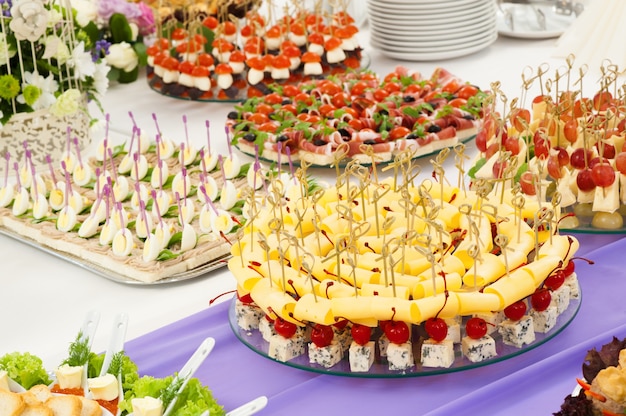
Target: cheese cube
<point x="517" y="333"/>
<point x="325" y="356"/>
<point x="105" y="387"/>
<point x="400" y="356"/>
<point x="344" y="338"/>
<point x="574" y="287"/>
<point x="284" y="349"/>
<point x="69" y="377"/>
<point x="361" y="356"/>
<point x="545" y="320"/>
<point x="147" y="406"/>
<point x="560" y="298"/>
<point x="383" y="343"/>
<point x="477" y="350"/>
<point x="248" y="316"/>
<point x="493" y="319"/>
<point x="454" y="331"/>
<point x="266" y="329"/>
<point x="437" y="354"/>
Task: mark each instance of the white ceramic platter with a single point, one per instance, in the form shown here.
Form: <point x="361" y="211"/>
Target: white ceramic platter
<point x="526" y="26"/>
<point x="425" y="6"/>
<point x="433" y="21"/>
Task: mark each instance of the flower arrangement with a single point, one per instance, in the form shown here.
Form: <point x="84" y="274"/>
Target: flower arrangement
<point x="124" y="24"/>
<point x="49" y="59"/>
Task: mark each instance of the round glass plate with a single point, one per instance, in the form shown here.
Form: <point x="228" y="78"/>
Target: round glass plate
<point x="380" y="368"/>
<point x="237" y="93"/>
<point x="585" y="225"/>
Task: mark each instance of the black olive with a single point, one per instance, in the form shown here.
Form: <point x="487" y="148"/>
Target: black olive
<point x="370" y="141"/>
<point x="305" y="110"/>
<point x="282" y="138"/>
<point x="233" y="115"/>
<point x="250" y="137"/>
<point x="344" y="132"/>
<point x="411" y="136"/>
<point x="286" y="101"/>
<point x="383" y="112"/>
<point x="469" y="117"/>
<point x="408" y="99"/>
<point x="319" y="142"/>
<point x="433" y="128"/>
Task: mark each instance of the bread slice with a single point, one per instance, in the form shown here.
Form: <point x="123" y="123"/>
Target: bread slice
<point x="42" y="392"/>
<point x="36" y="410"/>
<point x="90" y="407"/>
<point x="65" y="405"/>
<point x="30" y="398"/>
<point x="11" y="404"/>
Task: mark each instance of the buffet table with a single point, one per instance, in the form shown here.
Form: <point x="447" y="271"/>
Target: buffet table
<point x="43" y="298"/>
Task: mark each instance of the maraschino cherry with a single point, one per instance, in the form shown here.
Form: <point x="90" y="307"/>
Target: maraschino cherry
<point x="361" y="333"/>
<point x="476" y="328"/>
<point x="436" y="328"/>
<point x="322" y="335"/>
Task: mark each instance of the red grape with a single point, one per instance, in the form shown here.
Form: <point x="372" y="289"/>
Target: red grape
<point x="520" y="118"/>
<point x="584" y="180"/>
<point x="527" y="182"/>
<point x="554" y="168"/>
<point x="603" y="175"/>
<point x="542" y="145"/>
<point x="602" y="100"/>
<point x="570" y="130"/>
<point x="620" y="162"/>
<point x="492" y="149"/>
<point x="511" y="144"/>
<point x="481" y="140"/>
<point x="562" y="155"/>
<point x="498" y="168"/>
<point x="608" y="150"/>
<point x="580" y="158"/>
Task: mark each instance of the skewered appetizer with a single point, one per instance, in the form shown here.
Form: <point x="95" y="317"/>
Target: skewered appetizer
<point x="404" y="265"/>
<point x="377" y="119"/>
<point x="228" y="58"/>
<point x="567" y="146"/>
<point x="146" y="209"/>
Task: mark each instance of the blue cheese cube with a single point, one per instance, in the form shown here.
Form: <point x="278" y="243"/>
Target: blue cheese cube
<point x="248" y="316"/>
<point x="517" y="333"/>
<point x="477" y="350"/>
<point x="325" y="356"/>
<point x="560" y="298"/>
<point x="284" y="349"/>
<point x="574" y="288"/>
<point x="545" y="320"/>
<point x="361" y="356"/>
<point x="266" y="329"/>
<point x="493" y="319"/>
<point x="437" y="354"/>
<point x="454" y="330"/>
<point x="344" y="338"/>
<point x="400" y="356"/>
<point x="383" y="343"/>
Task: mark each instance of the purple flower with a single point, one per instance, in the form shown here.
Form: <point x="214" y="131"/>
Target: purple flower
<point x="106" y="8"/>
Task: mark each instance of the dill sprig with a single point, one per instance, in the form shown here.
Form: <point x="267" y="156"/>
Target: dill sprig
<point x="171" y="391"/>
<point x="79" y="352"/>
<point x="115" y="367"/>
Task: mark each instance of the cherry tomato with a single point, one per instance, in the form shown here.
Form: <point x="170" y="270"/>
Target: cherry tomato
<point x="358" y="88"/>
<point x="289" y="108"/>
<point x="268" y="127"/>
<point x="303" y="98"/>
<point x="327" y="109"/>
<point x="392" y="87"/>
<point x="380" y="94"/>
<point x="290" y="90"/>
<point x="330" y="88"/>
<point x="451" y="87"/>
<point x="340" y="99"/>
<point x="357" y="124"/>
<point x="273" y="98"/>
<point x="264" y="108"/>
<point x="467" y="91"/>
<point x="457" y="102"/>
<point x="258" y="118"/>
<point x="398" y="133"/>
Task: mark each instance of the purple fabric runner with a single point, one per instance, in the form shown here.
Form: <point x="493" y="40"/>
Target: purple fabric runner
<point x="538" y="379"/>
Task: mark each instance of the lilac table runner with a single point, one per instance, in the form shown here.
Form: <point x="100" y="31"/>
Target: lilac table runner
<point x="539" y="378"/>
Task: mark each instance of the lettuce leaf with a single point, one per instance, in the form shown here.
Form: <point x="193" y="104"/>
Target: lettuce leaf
<point x="25" y="369"/>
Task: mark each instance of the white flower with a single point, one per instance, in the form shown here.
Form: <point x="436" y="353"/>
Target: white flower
<point x="82" y="62"/>
<point x="57" y="49"/>
<point x="29" y="19"/>
<point x="67" y="103"/>
<point x="6" y="53"/>
<point x="48" y="86"/>
<point x="134" y="30"/>
<point x="100" y="79"/>
<point x="123" y="56"/>
<point x="86" y="11"/>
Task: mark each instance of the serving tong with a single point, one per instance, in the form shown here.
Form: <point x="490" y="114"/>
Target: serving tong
<point x="561" y="7"/>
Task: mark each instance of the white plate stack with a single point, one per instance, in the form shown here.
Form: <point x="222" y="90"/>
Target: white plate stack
<point x="427" y="30"/>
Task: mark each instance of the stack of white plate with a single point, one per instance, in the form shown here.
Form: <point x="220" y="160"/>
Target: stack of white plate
<point x="427" y="30"/>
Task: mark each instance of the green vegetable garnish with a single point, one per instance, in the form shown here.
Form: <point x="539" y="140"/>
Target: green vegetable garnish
<point x="25" y="369"/>
<point x="79" y="351"/>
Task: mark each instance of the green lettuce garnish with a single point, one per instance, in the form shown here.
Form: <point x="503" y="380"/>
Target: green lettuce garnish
<point x="25" y="369"/>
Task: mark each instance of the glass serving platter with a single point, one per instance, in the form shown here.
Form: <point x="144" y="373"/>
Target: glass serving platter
<point x="116" y="277"/>
<point x="237" y="93"/>
<point x="585" y="218"/>
<point x="380" y="368"/>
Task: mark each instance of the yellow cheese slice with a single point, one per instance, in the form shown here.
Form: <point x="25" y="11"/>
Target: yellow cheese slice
<point x="540" y="269"/>
<point x="330" y="289"/>
<point x="353" y="307"/>
<point x="451" y="281"/>
<point x="477" y="302"/>
<point x="385" y="309"/>
<point x="488" y="269"/>
<point x="372" y="289"/>
<point x="517" y="285"/>
<point x="437" y="306"/>
<point x="562" y="246"/>
<point x="314" y="309"/>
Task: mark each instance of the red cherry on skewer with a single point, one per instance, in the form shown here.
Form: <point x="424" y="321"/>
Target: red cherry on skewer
<point x="285" y="328"/>
<point x="515" y="311"/>
<point x="476" y="328"/>
<point x="360" y="333"/>
<point x="322" y="335"/>
<point x="540" y="300"/>
<point x="436" y="328"/>
<point x="397" y="332"/>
